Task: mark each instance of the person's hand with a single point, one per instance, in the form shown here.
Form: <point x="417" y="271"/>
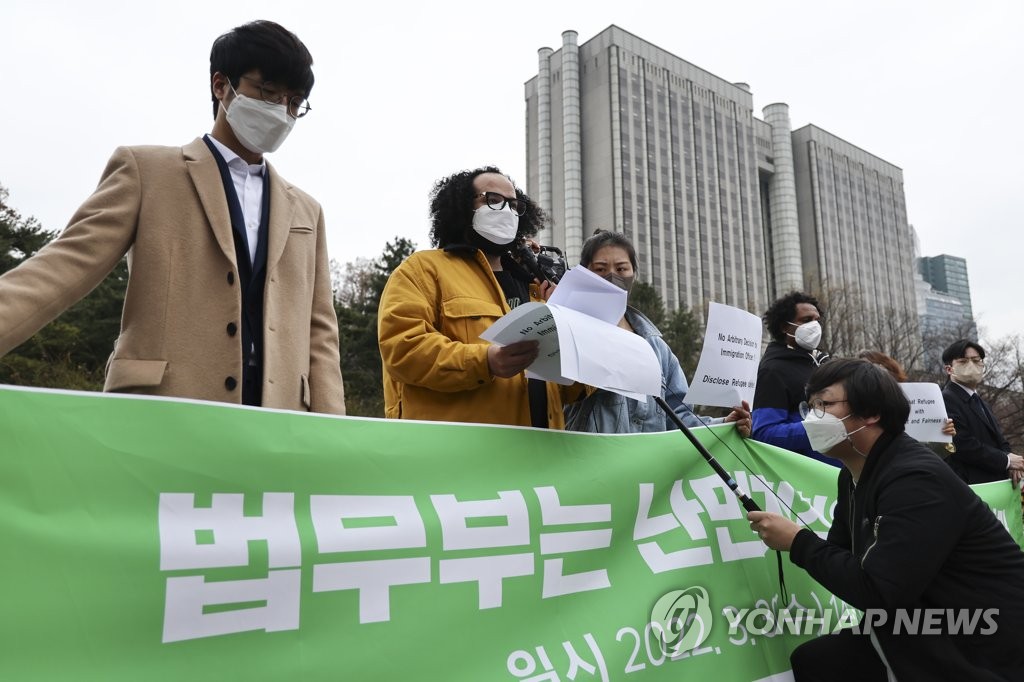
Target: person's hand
<point x="1014" y="462"/>
<point x="774" y="530"/>
<point x="545" y="289"/>
<point x="534" y="245"/>
<point x="948" y="429"/>
<point x="1015" y="477"/>
<point x="741" y="415"/>
<point x="508" y="361"/>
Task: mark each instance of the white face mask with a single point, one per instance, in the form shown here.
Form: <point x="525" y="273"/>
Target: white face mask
<point x="807" y="335"/>
<point x="826" y="432"/>
<point x="497" y="227"/>
<point x="260" y="126"/>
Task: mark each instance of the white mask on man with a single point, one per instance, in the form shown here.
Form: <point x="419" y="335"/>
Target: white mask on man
<point x="807" y="335"/>
<point x="826" y="432"/>
<point x="497" y="227"/>
<point x="260" y="126"/>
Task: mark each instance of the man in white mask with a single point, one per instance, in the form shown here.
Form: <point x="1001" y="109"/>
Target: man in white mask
<point x="907" y="537"/>
<point x="794" y="322"/>
<point x="438" y="302"/>
<point x="982" y="453"/>
<point x="229" y="294"/>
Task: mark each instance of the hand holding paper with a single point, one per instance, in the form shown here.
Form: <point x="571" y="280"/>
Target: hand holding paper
<point x="575" y="345"/>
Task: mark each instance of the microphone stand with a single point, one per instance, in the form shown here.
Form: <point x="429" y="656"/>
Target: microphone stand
<point x="744" y="499"/>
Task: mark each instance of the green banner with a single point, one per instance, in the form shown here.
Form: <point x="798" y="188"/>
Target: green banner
<point x="150" y="539"/>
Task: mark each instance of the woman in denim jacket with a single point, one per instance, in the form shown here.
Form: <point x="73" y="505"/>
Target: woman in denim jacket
<point x="612" y="256"/>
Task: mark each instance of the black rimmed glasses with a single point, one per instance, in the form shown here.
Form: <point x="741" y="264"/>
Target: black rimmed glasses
<point x="298" y="106"/>
<point x="498" y="202"/>
<point x="817" y="406"/>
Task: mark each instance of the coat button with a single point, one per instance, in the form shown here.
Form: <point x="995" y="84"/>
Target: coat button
<point x="231" y="278"/>
<point x="230" y="383"/>
<point x="232" y="328"/>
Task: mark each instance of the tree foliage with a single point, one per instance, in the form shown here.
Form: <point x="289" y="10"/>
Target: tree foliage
<point x="647" y="300"/>
<point x="72" y="351"/>
<point x="684" y="336"/>
<point x="681" y="330"/>
<point x="358" y="288"/>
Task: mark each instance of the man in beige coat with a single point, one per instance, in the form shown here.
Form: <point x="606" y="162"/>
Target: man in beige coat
<point x="229" y="294"/>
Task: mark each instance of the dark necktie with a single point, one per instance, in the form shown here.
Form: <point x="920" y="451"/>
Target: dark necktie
<point x="978" y="405"/>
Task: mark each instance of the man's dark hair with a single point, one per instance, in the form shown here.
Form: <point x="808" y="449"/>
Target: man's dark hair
<point x="274" y="50"/>
<point x="603" y="238"/>
<point x="784" y="310"/>
<point x="958" y="349"/>
<point x="451" y="209"/>
<point x="869" y="391"/>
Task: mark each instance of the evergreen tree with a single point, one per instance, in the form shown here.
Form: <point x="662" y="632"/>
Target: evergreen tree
<point x="358" y="292"/>
<point x="683" y="335"/>
<point x="72" y="351"/>
<point x="647" y="300"/>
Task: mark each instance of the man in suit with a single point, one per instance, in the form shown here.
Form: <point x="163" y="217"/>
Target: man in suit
<point x="982" y="452"/>
<point x="229" y="294"/>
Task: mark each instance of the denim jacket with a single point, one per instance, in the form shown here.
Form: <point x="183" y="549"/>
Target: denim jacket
<point x="607" y="412"/>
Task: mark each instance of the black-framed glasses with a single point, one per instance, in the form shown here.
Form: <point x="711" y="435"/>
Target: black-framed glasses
<point x="298" y="106"/>
<point x="498" y="202"/>
<point x="817" y="406"/>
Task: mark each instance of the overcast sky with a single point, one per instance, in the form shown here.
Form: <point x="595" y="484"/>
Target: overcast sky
<point x="408" y="92"/>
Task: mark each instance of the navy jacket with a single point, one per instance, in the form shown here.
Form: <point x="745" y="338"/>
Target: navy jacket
<point x="981" y="448"/>
<point x="781" y="387"/>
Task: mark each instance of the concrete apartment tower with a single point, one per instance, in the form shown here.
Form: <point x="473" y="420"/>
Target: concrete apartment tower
<point x="722" y="206"/>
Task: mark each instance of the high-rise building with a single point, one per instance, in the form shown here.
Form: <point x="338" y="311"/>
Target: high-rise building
<point x="854" y="233"/>
<point x="948" y="274"/>
<point x="722" y="206"/>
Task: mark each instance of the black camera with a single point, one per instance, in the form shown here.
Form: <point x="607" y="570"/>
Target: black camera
<point x="548" y="265"/>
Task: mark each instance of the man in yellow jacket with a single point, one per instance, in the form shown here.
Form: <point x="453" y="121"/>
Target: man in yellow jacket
<point x="438" y="302"/>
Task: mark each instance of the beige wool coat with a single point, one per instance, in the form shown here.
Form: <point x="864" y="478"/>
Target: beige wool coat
<point x="166" y="208"/>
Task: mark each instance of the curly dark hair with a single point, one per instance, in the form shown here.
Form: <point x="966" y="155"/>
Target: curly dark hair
<point x="451" y="209"/>
<point x="784" y="310"/>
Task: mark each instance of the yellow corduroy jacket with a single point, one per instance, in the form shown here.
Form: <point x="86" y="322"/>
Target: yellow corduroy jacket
<point x="432" y="312"/>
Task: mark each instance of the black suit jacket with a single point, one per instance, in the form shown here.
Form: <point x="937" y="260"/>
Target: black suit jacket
<point x="981" y="448"/>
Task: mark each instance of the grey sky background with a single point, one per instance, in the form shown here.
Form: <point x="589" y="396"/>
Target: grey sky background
<point x="408" y="92"/>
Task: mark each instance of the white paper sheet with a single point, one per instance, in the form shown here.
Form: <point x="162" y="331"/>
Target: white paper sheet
<point x="927" y="412"/>
<point x="576" y="347"/>
<point x="589" y="293"/>
<point x="607" y="356"/>
<point x="532" y="321"/>
<point x="727" y="370"/>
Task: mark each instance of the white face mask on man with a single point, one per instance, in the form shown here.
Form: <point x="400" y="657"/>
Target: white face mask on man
<point x="498" y="227"/>
<point x="827" y="431"/>
<point x="807" y="335"/>
<point x="260" y="126"/>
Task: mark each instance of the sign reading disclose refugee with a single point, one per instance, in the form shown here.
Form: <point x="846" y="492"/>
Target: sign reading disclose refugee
<point x="149" y="539"/>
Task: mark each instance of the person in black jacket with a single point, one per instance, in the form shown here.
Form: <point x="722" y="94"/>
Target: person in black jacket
<point x="907" y="535"/>
<point x="981" y="453"/>
<point x="794" y="324"/>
